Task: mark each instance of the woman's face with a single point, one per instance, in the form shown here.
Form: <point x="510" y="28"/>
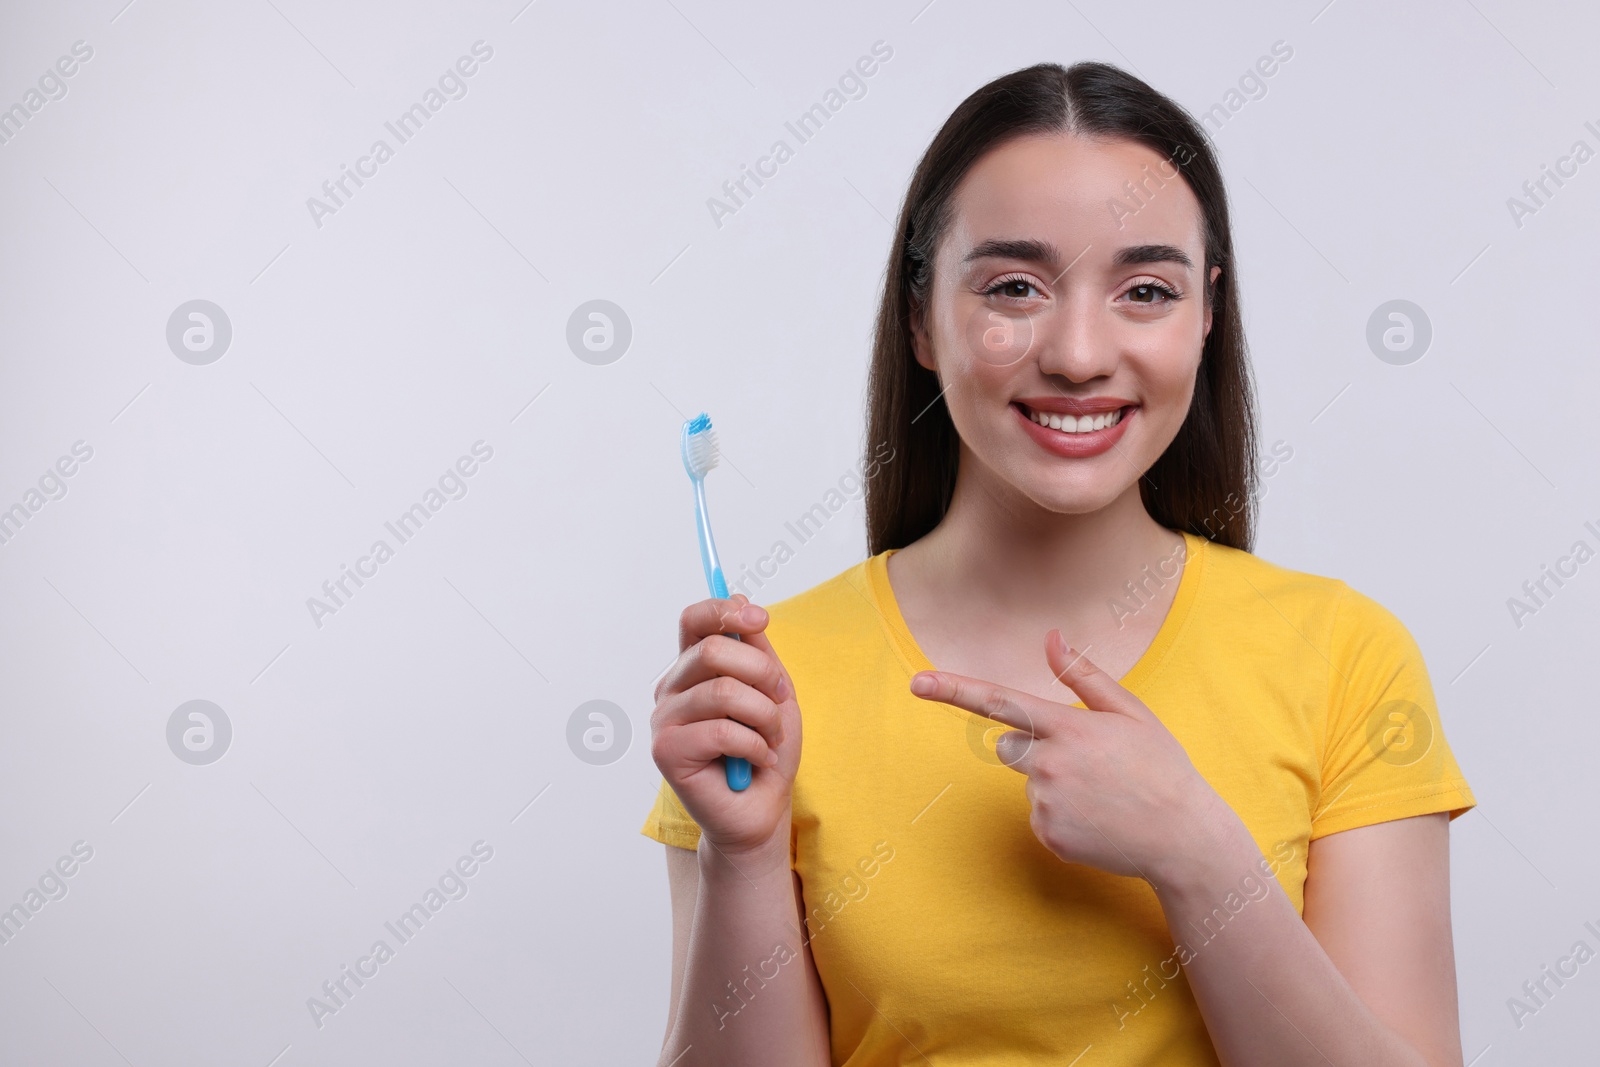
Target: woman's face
<point x="1067" y="289"/>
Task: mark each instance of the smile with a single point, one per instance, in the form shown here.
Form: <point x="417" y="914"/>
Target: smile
<point x="1070" y="424"/>
<point x="1074" y="436"/>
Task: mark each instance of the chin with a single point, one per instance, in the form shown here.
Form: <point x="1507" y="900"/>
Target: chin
<point x="1082" y="492"/>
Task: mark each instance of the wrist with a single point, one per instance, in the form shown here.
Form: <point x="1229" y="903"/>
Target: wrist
<point x="1215" y="847"/>
<point x="746" y="862"/>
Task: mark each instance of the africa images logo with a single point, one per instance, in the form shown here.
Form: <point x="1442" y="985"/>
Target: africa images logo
<point x="1399" y="732"/>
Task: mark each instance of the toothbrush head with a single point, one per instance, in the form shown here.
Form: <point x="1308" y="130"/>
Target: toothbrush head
<point x="698" y="444"/>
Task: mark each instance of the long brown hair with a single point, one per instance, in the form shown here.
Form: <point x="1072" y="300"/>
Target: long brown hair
<point x="1205" y="482"/>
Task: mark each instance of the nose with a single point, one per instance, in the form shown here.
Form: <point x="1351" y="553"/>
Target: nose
<point x="1077" y="340"/>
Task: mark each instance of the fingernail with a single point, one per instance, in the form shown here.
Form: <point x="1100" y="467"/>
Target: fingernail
<point x="772" y="758"/>
<point x="784" y="692"/>
<point x="752" y="615"/>
<point x="923" y="685"/>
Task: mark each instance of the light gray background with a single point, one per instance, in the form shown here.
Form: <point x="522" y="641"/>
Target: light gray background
<point x="432" y="309"/>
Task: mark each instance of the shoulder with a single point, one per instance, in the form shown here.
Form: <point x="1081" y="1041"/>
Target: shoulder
<point x="1242" y="586"/>
<point x="1244" y="575"/>
<point x="1236" y="573"/>
<point x="834" y="622"/>
<point x="1328" y="612"/>
<point x="1361" y="642"/>
<point x="845" y="601"/>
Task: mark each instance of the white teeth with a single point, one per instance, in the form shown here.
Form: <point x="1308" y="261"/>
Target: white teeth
<point x="1078" y="424"/>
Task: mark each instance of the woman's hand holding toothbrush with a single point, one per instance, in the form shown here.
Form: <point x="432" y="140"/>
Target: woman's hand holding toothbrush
<point x="727" y="697"/>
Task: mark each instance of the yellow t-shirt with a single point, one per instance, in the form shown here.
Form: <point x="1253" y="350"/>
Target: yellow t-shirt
<point x="946" y="934"/>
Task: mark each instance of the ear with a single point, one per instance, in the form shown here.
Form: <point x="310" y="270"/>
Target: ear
<point x="1210" y="286"/>
<point x="921" y="346"/>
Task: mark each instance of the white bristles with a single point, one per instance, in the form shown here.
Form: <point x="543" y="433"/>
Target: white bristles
<point x="702" y="451"/>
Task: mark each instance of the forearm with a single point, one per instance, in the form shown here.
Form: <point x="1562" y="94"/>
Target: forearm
<point x="1268" y="992"/>
<point x="749" y="994"/>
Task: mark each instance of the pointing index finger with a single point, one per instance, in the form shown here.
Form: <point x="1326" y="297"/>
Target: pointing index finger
<point x="992" y="701"/>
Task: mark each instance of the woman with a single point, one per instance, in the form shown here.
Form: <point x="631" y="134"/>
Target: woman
<point x="1218" y="833"/>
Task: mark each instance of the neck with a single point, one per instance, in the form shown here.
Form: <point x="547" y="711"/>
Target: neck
<point x="1000" y="549"/>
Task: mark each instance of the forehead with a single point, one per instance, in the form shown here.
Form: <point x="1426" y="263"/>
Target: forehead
<point x="1073" y="191"/>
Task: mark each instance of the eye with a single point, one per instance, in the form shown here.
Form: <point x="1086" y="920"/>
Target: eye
<point x="1146" y="292"/>
<point x="1011" y="282"/>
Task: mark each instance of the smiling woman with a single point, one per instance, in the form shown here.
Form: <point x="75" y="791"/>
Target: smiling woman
<point x="1067" y="394"/>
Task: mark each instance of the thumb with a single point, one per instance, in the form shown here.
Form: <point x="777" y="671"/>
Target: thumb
<point x="1097" y="689"/>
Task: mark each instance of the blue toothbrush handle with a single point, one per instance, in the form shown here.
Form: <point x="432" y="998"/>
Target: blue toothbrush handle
<point x="737" y="768"/>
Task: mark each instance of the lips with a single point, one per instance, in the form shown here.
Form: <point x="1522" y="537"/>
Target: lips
<point x="1075" y="429"/>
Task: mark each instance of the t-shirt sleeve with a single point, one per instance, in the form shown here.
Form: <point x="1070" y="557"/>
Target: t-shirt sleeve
<point x="669" y="822"/>
<point x="1384" y="753"/>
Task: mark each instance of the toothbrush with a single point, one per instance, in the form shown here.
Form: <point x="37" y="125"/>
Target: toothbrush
<point x="699" y="447"/>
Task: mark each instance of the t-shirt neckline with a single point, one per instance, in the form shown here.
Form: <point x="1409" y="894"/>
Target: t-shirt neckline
<point x="914" y="659"/>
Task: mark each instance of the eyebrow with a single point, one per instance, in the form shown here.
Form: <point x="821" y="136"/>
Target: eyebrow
<point x="1044" y="252"/>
